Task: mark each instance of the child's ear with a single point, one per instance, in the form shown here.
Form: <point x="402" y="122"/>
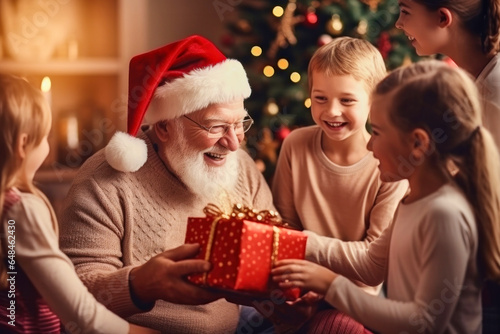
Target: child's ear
<point x="21" y="145"/>
<point x="421" y="142"/>
<point x="445" y="17"/>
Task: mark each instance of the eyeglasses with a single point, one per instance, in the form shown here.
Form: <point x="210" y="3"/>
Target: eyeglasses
<point x="219" y="131"/>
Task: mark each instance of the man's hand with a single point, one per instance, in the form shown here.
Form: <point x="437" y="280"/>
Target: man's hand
<point x="164" y="277"/>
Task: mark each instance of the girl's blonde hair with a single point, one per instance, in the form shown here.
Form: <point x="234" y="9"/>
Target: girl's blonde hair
<point x="23" y="110"/>
<point x="481" y="17"/>
<point x="444" y="101"/>
<point x="349" y="56"/>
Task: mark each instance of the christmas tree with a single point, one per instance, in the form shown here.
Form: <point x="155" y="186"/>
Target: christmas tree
<point x="274" y="40"/>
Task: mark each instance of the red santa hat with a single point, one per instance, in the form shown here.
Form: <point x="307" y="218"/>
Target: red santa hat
<point x="182" y="77"/>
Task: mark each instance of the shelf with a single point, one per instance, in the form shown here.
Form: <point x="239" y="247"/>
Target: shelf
<point x="55" y="175"/>
<point x="87" y="66"/>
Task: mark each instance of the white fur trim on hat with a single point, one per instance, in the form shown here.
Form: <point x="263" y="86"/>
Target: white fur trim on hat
<point x="126" y="153"/>
<point x="219" y="83"/>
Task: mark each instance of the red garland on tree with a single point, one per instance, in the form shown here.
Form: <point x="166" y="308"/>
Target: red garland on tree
<point x="384" y="44"/>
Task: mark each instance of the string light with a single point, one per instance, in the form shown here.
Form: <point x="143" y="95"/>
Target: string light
<point x="268" y="71"/>
<point x="307" y="102"/>
<point x="278" y="11"/>
<point x="256" y="51"/>
<point x="295" y="77"/>
<point x="271" y="107"/>
<point x="283" y="64"/>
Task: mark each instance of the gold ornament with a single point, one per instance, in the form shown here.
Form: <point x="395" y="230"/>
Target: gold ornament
<point x="335" y="25"/>
<point x="362" y="27"/>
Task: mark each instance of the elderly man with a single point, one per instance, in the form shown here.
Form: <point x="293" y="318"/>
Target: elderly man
<point x="124" y="220"/>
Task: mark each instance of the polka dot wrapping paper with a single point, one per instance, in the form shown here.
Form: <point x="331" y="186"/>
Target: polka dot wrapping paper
<point x="242" y="252"/>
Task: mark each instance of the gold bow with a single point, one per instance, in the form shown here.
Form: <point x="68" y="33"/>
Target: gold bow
<point x="243" y="212"/>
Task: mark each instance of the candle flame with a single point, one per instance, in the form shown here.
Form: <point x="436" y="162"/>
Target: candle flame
<point x="46" y="84"/>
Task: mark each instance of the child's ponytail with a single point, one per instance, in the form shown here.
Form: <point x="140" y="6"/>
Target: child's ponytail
<point x="479" y="177"/>
<point x="433" y="96"/>
<point x="491" y="38"/>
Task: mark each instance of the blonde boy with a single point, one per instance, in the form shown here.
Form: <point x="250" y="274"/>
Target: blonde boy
<point x="326" y="180"/>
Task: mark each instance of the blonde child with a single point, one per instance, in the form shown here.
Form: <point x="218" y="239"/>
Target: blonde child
<point x="444" y="238"/>
<point x="326" y="180"/>
<point x="39" y="288"/>
<point x="468" y="31"/>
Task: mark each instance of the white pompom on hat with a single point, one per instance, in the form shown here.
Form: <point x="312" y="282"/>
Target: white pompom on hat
<point x="182" y="77"/>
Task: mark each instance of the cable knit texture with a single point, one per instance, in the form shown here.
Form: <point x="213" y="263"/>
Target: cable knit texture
<point x="113" y="221"/>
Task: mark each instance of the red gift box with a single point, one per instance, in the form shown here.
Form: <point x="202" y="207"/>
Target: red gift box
<point x="242" y="247"/>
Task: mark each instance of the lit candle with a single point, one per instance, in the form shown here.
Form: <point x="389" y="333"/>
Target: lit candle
<point x="72" y="128"/>
<point x="46" y="85"/>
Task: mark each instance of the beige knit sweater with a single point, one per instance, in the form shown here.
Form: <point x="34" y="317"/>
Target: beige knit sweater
<point x="113" y="221"/>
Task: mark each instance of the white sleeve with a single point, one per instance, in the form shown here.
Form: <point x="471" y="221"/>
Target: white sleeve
<point x="368" y="265"/>
<point x="52" y="273"/>
<point x="444" y="253"/>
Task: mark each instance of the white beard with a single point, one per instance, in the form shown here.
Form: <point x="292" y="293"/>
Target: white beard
<point x="212" y="183"/>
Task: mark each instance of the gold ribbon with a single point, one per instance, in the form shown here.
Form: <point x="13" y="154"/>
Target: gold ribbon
<point x="242" y="212"/>
<point x="276" y="245"/>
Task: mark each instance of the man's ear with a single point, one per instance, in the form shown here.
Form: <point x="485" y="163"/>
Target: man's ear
<point x="21" y="145"/>
<point x="161" y="131"/>
<point x="445" y="17"/>
<point x="421" y="142"/>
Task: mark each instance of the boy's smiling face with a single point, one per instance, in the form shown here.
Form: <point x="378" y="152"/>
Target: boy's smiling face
<point x="340" y="105"/>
